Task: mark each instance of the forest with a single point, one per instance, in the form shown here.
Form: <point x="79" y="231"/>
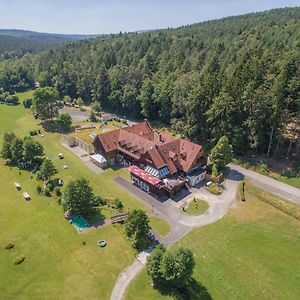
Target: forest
<point x="14" y="47"/>
<point x="237" y="76"/>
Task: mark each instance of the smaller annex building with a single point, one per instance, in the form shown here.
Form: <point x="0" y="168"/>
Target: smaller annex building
<point x="99" y="160"/>
<point x="158" y="162"/>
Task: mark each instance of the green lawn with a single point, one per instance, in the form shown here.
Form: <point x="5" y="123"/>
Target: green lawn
<point x="160" y="226"/>
<point x="57" y="264"/>
<point x="252" y="253"/>
<point x="197" y="207"/>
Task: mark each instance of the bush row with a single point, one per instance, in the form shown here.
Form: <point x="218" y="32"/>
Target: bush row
<point x="291" y="209"/>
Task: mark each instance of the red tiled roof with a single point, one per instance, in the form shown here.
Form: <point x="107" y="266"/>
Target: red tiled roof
<point x="162" y="149"/>
<point x="144" y="175"/>
<point x="139" y="128"/>
<point x="156" y="158"/>
<point x="109" y="140"/>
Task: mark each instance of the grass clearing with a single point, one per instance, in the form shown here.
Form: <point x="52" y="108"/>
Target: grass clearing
<point x="161" y="226"/>
<point x="58" y="265"/>
<point x="197" y="207"/>
<point x="252" y="253"/>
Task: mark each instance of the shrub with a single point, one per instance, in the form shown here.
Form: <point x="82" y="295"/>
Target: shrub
<point x="98" y="201"/>
<point x="84" y="243"/>
<point x="289" y="174"/>
<point x="38" y="175"/>
<point x="264" y="168"/>
<point x="39" y="189"/>
<point x="242" y="190"/>
<point x="19" y="259"/>
<point x="213" y="188"/>
<point x="9" y="245"/>
<point x="51" y="185"/>
<point x="27" y="103"/>
<point x="33" y="132"/>
<point x="57" y="191"/>
<point x="59" y="200"/>
<point x="285" y="206"/>
<point x="118" y="204"/>
<point x="47" y="192"/>
<point x="9" y="162"/>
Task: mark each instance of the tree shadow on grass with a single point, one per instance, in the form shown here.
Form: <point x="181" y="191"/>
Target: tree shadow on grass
<point x="50" y="126"/>
<point x="53" y="127"/>
<point x="194" y="291"/>
<point x="95" y="219"/>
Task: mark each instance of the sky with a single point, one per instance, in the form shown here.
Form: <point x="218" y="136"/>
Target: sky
<point x="112" y="16"/>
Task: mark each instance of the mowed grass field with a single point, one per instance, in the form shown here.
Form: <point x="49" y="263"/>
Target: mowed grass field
<point x="161" y="226"/>
<point x="252" y="253"/>
<point x="57" y="263"/>
<point x="197" y="207"/>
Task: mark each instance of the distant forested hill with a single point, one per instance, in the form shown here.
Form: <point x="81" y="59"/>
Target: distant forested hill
<point x="14" y="43"/>
<point x="48" y="38"/>
<point x="238" y="76"/>
<point x="14" y="47"/>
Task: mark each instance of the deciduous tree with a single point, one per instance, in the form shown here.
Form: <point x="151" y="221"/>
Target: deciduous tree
<point x="46" y="102"/>
<point x="154" y="264"/>
<point x="79" y="197"/>
<point x="47" y="170"/>
<point x="16" y="150"/>
<point x="6" y="147"/>
<point x="31" y="151"/>
<point x="64" y="121"/>
<point x="221" y="154"/>
<point x="136" y="228"/>
<point x="177" y="267"/>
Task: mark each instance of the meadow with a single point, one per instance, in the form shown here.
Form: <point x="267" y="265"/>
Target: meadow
<point x="252" y="253"/>
<point x="59" y="262"/>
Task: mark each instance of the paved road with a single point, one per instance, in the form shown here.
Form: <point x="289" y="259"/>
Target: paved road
<point x="180" y="222"/>
<point x="80" y="116"/>
<point x="76" y="114"/>
<point x="270" y="185"/>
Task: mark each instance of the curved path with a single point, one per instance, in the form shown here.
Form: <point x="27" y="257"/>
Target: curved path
<point x="181" y="222"/>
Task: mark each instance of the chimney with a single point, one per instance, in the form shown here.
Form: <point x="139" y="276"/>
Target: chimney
<point x="161" y="138"/>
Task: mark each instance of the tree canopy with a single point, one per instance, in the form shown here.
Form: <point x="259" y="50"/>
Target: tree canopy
<point x="221" y="154"/>
<point x="170" y="268"/>
<point x="79" y="197"/>
<point x="64" y="121"/>
<point x="136" y="228"/>
<point x="46" y="102"/>
<point x="47" y="170"/>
